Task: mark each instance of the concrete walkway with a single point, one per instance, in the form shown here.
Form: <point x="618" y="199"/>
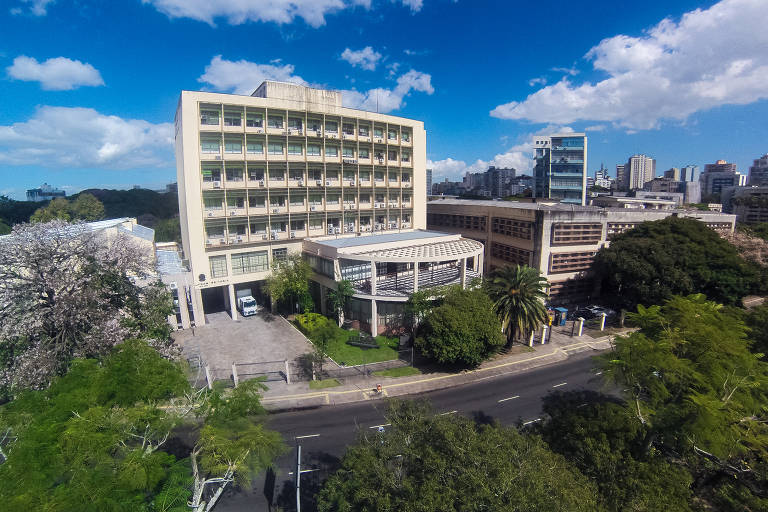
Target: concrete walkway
<point x="559" y="347"/>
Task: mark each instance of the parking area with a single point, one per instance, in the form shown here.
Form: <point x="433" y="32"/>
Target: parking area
<point x="259" y="338"/>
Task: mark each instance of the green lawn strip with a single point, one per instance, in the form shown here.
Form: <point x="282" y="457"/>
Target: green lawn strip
<point x="349" y="355"/>
<point x="403" y="371"/>
<point x="322" y="384"/>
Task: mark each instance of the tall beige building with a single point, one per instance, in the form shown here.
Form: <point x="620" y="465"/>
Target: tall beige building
<point x="257" y="174"/>
<point x="639" y="170"/>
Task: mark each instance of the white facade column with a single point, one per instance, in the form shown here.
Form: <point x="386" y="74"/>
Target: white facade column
<point x="374" y="319"/>
<point x="463" y="263"/>
<point x="232" y="301"/>
<point x="373" y="277"/>
<point x="183" y="311"/>
<point x="480" y="263"/>
<point x="416" y="276"/>
<point x="197" y="306"/>
<point x="543" y="334"/>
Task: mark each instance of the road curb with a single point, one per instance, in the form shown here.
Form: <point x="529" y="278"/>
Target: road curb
<point x="420" y="385"/>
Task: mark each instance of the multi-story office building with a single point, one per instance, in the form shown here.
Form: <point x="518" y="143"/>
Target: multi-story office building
<point x="673" y="173"/>
<point x="749" y="204"/>
<point x="638" y="170"/>
<point x="45" y="193"/>
<point x="559" y="239"/>
<point x="758" y="172"/>
<point x="429" y="181"/>
<point x="690" y="190"/>
<point x="719" y="176"/>
<point x="560" y="167"/>
<point x="621" y="177"/>
<point x="257" y="174"/>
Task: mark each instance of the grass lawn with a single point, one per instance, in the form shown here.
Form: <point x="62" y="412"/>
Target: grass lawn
<point x="322" y="384"/>
<point x="403" y="371"/>
<point x="349" y="355"/>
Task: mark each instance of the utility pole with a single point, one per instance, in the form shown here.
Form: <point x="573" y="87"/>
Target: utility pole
<point x="298" y="478"/>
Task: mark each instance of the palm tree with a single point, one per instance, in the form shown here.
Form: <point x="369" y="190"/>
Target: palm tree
<point x="518" y="293"/>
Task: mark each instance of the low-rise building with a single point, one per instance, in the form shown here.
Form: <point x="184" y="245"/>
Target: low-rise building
<point x="559" y="239"/>
<point x="45" y="193"/>
<point x="386" y="269"/>
<point x="749" y="204"/>
<point x="637" y="203"/>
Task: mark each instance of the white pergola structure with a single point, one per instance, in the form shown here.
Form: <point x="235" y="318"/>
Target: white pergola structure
<point x="389" y="268"/>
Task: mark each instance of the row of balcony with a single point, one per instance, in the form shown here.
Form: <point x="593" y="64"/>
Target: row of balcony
<point x="256" y="126"/>
<point x="223" y="238"/>
<point x="215" y="182"/>
<point x="208" y="154"/>
<point x="242" y="210"/>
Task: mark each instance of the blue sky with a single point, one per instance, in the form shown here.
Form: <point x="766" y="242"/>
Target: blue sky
<point x="88" y="90"/>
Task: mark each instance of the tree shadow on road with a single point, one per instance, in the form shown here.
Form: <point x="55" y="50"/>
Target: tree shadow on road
<point x="322" y="465"/>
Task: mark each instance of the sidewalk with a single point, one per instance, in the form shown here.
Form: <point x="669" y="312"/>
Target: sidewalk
<point x="559" y="347"/>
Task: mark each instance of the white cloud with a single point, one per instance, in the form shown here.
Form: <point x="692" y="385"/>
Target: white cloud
<point x="385" y="100"/>
<point x="237" y="12"/>
<point x="568" y="71"/>
<point x="537" y="81"/>
<point x="367" y="58"/>
<point x="58" y="74"/>
<point x="37" y="7"/>
<point x="85" y="138"/>
<point x="595" y="128"/>
<point x="712" y="57"/>
<point x="415" y="5"/>
<point x="243" y="77"/>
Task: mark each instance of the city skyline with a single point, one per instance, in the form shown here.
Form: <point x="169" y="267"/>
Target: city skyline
<point x="91" y="110"/>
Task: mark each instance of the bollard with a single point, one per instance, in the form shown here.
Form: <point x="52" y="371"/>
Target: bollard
<point x="543" y="334"/>
<point x="208" y="376"/>
<point x="530" y="340"/>
<point x="581" y="326"/>
<point x="602" y="321"/>
<point x="234" y="374"/>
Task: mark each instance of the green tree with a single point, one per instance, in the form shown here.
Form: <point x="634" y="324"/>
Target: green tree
<point x="438" y="463"/>
<point x="757" y="321"/>
<point x="94" y="441"/>
<point x="600" y="436"/>
<point x="87" y="208"/>
<point x="339" y="298"/>
<point x="518" y="293"/>
<point x="675" y="256"/>
<point x="168" y="230"/>
<point x="289" y="282"/>
<point x="463" y="330"/>
<point x="4" y="228"/>
<point x="693" y="384"/>
<point x="420" y="303"/>
<point x="57" y="209"/>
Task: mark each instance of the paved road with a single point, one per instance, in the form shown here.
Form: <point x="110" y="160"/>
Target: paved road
<point x="325" y="432"/>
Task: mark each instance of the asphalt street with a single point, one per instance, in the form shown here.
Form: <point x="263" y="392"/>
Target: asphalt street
<point x="325" y="432"/>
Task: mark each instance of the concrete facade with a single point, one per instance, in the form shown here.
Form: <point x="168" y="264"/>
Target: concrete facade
<point x="257" y="174"/>
<point x="560" y="240"/>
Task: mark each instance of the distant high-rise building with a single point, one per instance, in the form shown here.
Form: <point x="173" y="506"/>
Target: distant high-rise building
<point x="621" y="176"/>
<point x="45" y="193"/>
<point x="758" y="173"/>
<point x="673" y="174"/>
<point x="429" y="181"/>
<point x="719" y="176"/>
<point x="560" y="167"/>
<point x="689" y="173"/>
<point x="639" y="170"/>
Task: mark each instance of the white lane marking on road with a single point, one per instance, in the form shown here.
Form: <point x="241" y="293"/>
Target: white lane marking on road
<point x="599" y="373"/>
<point x="532" y="421"/>
<point x="510" y="398"/>
<point x="310" y="435"/>
<point x="449" y="412"/>
<point x="383" y="425"/>
<point x="561" y="384"/>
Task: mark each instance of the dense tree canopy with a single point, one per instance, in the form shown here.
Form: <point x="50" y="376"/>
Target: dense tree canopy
<point x="289" y="283"/>
<point x="84" y="207"/>
<point x="605" y="442"/>
<point x="675" y="256"/>
<point x="697" y="390"/>
<point x="462" y="330"/>
<point x="438" y="463"/>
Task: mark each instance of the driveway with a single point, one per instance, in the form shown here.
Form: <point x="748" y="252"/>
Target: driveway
<point x="260" y="338"/>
